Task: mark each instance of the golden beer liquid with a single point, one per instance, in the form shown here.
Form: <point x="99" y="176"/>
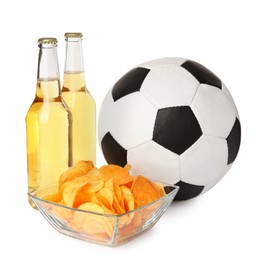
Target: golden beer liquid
<point x="83" y="110"/>
<point x="48" y="136"/>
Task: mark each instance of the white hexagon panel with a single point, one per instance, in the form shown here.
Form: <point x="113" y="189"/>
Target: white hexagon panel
<point x="171" y="94"/>
<point x="213" y="110"/>
<point x="204" y="160"/>
<point x="134" y="120"/>
<point x="217" y="178"/>
<point x="154" y="161"/>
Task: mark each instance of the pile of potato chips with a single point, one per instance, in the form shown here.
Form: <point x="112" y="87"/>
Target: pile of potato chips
<point x="108" y="191"/>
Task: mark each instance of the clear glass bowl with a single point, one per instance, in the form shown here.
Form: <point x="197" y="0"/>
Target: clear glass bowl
<point x="104" y="229"/>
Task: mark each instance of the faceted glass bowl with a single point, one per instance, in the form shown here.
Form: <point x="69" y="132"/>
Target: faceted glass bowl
<point x="103" y="229"/>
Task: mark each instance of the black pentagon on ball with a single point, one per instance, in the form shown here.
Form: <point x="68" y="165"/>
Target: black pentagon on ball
<point x="113" y="152"/>
<point x="129" y="83"/>
<point x="202" y="74"/>
<point x="176" y="128"/>
<point x="186" y="190"/>
<point x="233" y="141"/>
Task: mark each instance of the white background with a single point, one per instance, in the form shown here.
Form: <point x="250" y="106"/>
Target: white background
<point x="228" y="37"/>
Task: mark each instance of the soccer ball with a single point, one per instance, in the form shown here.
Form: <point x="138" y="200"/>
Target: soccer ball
<point x="172" y="120"/>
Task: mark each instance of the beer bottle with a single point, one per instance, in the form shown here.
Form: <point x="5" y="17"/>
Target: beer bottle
<point x="48" y="123"/>
<point x="79" y="100"/>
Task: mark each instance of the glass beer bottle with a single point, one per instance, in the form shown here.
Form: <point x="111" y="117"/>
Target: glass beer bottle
<point x="48" y="123"/>
<point x="79" y="101"/>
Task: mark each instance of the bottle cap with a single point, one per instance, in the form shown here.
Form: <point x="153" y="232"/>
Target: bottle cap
<point x="73" y="35"/>
<point x="47" y="40"/>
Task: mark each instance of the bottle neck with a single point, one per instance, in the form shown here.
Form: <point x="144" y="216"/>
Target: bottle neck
<point x="48" y="68"/>
<point x="48" y="90"/>
<point x="74" y="77"/>
<point x="74" y="56"/>
<point x="48" y="77"/>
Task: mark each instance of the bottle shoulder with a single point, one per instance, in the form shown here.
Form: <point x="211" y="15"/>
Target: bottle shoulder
<point x="50" y="109"/>
<point x="78" y="98"/>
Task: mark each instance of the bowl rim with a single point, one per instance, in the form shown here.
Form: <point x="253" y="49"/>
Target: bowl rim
<point x="34" y="197"/>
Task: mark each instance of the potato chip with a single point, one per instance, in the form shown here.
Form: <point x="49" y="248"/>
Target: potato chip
<point x="104" y="202"/>
<point x="80" y="169"/>
<point x="94" y="171"/>
<point x="69" y="175"/>
<point x="62" y="213"/>
<point x="91" y="223"/>
<point x="128" y="198"/>
<point x="109" y="184"/>
<point x="127" y="167"/>
<point x="125" y="220"/>
<point x="160" y="188"/>
<point x="118" y="193"/>
<point x="144" y="191"/>
<point x="95" y="200"/>
<point x="117" y="207"/>
<point x="94" y="183"/>
<point x="53" y="197"/>
<point x="120" y="175"/>
<point x="101" y="201"/>
<point x="135" y="223"/>
<point x="71" y="188"/>
<point x="84" y="166"/>
<point x="81" y="197"/>
<point x="107" y="194"/>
